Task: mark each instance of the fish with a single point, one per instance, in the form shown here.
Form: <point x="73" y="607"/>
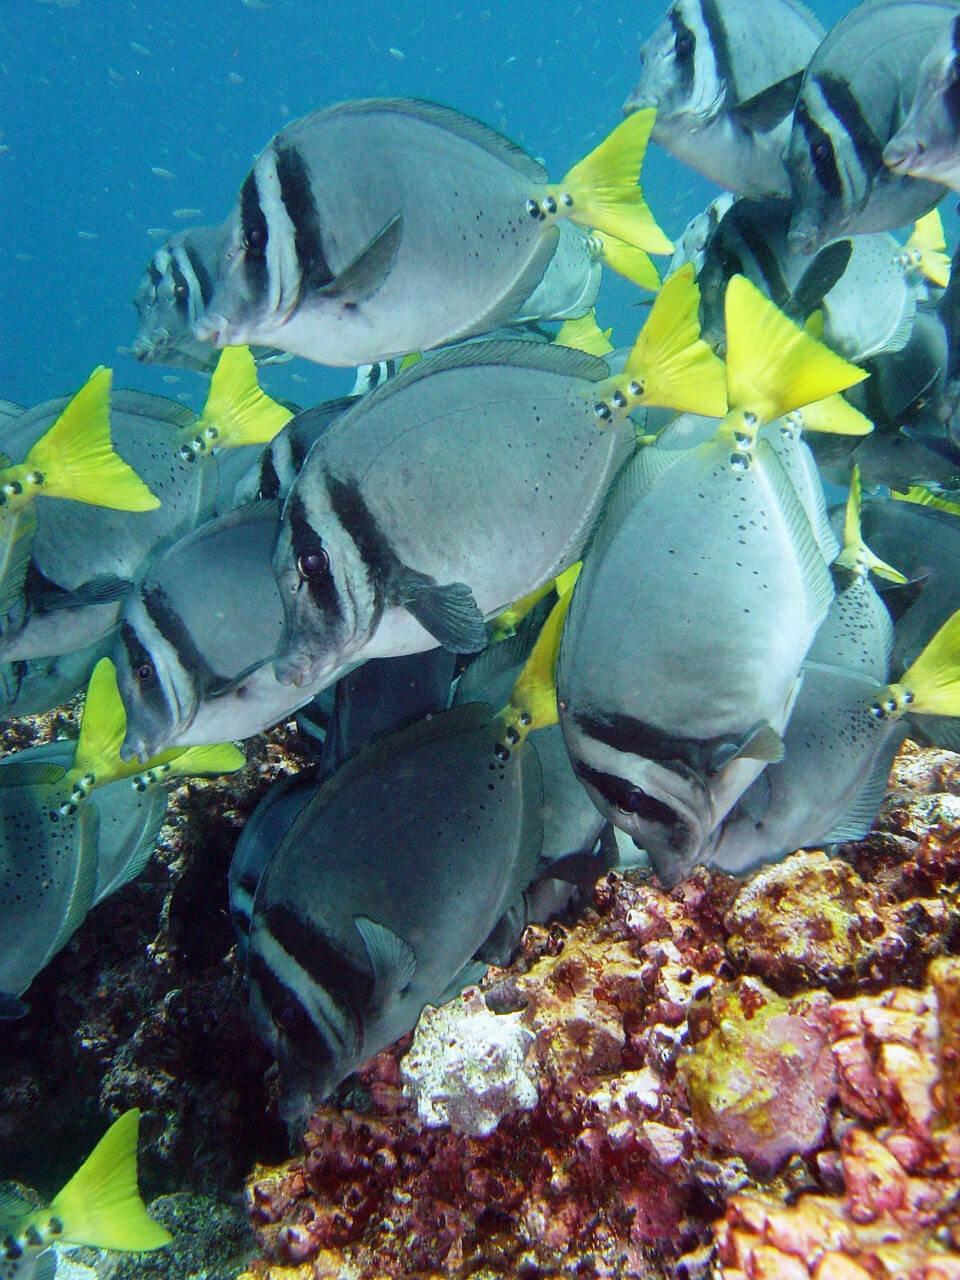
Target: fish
<point x="173" y="292"/>
<point x="927" y="144"/>
<point x="99" y="1207"/>
<point x="375" y="228"/>
<point x="362" y="575"/>
<point x="32" y="686"/>
<point x="197" y="637"/>
<point x="850" y="102"/>
<point x="50" y="872"/>
<point x="713" y="543"/>
<point x="279" y="463"/>
<point x="341" y="957"/>
<point x="724" y="84"/>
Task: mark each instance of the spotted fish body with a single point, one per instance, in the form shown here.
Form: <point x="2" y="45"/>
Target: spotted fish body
<point x="853" y="92"/>
<point x="449" y="493"/>
<point x="724" y="84"/>
<point x="347" y="945"/>
<point x="927" y="144"/>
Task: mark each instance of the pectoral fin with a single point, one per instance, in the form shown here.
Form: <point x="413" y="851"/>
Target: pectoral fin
<point x="362" y="277"/>
<point x="448" y="611"/>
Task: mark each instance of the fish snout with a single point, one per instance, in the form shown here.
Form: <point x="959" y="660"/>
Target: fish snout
<point x="901" y="153"/>
<point x="294" y="668"/>
<point x="135" y="747"/>
<point x="803" y="237"/>
<point x="213" y="328"/>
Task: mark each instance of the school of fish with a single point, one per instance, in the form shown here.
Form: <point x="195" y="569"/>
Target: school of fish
<point x="543" y="607"/>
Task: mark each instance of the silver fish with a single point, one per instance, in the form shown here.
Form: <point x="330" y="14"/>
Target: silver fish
<point x="851" y="101"/>
<point x="363" y="574"/>
<point x="342" y="957"/>
<point x="724" y="84"/>
<point x="375" y="228"/>
<point x="927" y="144"/>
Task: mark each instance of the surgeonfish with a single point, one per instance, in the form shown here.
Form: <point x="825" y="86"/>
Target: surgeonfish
<point x="376" y="228"/>
<point x="851" y="101"/>
<point x="174" y="290"/>
<point x="927" y="143"/>
<point x="99" y="1207"/>
<point x="35" y="685"/>
<point x="668" y="722"/>
<point x="342" y="955"/>
<point x="724" y="83"/>
<point x="365" y="572"/>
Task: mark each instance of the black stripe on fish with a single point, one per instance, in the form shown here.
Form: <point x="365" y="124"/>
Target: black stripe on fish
<point x="255" y="233"/>
<point x="355" y="516"/>
<point x="822" y="155"/>
<point x="698" y="756"/>
<point x="269" y="486"/>
<point x="848" y="112"/>
<point x="763" y="254"/>
<point x="140" y="658"/>
<point x="307" y="542"/>
<point x="720" y="45"/>
<point x="171" y="626"/>
<point x="181" y="291"/>
<point x="349" y="987"/>
<point x="630" y="799"/>
<point x="291" y="1019"/>
<point x="297" y="197"/>
<point x="204" y="283"/>
<point x="154" y="272"/>
<point x="684" y="44"/>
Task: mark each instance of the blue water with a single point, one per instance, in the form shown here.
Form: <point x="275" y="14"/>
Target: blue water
<point x="94" y="95"/>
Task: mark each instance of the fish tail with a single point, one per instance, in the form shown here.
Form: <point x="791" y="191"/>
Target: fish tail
<point x="533" y="701"/>
<point x="931" y="686"/>
<point x="103" y="727"/>
<point x="773" y="366"/>
<point x="505" y="624"/>
<point x="925" y="497"/>
<point x="925" y="249"/>
<point x="856" y="554"/>
<point x="75" y="458"/>
<point x="835" y="416"/>
<point x="584" y="334"/>
<point x="101" y="1206"/>
<point x="237" y="411"/>
<point x="627" y="260"/>
<point x="603" y="190"/>
<point x="672" y="364"/>
<point x="221" y="757"/>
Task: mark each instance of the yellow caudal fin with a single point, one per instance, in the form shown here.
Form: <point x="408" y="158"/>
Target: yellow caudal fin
<point x="505" y="624"/>
<point x="603" y="191"/>
<point x="626" y="259"/>
<point x="101" y="1206"/>
<point x="773" y="366"/>
<point x="533" y="701"/>
<point x="814" y="325"/>
<point x="413" y="358"/>
<point x="237" y="412"/>
<point x="924" y="497"/>
<point x="931" y="687"/>
<point x="856" y="555"/>
<point x="924" y="249"/>
<point x="834" y="415"/>
<point x="670" y="362"/>
<point x="75" y="458"/>
<point x="585" y="335"/>
<point x="564" y="581"/>
<point x="103" y="726"/>
<point x="222" y="757"/>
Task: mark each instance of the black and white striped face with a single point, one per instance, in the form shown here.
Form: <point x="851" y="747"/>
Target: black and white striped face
<point x="832" y="158"/>
<point x="681" y="75"/>
<point x="927" y="144"/>
<point x="273" y="253"/>
<point x="174" y="290"/>
<point x="156" y="686"/>
<point x="327" y="564"/>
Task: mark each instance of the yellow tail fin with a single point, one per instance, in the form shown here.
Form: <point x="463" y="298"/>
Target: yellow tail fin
<point x="585" y="335"/>
<point x="222" y="757"/>
<point x="237" y="412"/>
<point x="564" y="581"/>
<point x="75" y="458"/>
<point x="505" y="624"/>
<point x="102" y="728"/>
<point x="834" y="415"/>
<point x="627" y="260"/>
<point x="925" y="498"/>
<point x="931" y="687"/>
<point x="533" y="701"/>
<point x="924" y="249"/>
<point x="773" y="366"/>
<point x="675" y="366"/>
<point x="856" y="555"/>
<point x="100" y="1206"/>
<point x="603" y="190"/>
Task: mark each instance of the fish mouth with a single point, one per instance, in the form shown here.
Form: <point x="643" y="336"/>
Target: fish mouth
<point x="217" y="330"/>
<point x="298" y="669"/>
<point x="804" y="238"/>
<point x="638" y="102"/>
<point x="901" y="155"/>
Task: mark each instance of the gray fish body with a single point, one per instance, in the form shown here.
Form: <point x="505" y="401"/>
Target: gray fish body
<point x="784" y="437"/>
<point x="831" y="782"/>
<point x="682" y="649"/>
<point x="691" y="245"/>
<point x="197" y="637"/>
<point x="927" y="144"/>
<point x="347" y="945"/>
<point x="570" y="283"/>
<point x="35" y="685"/>
<point x="278" y="465"/>
<point x="76" y="543"/>
<point x="871" y="308"/>
<point x="857" y="633"/>
<point x="854" y="93"/>
<point x="724" y="84"/>
<point x="371" y="229"/>
<point x="498" y="446"/>
<point x="60" y="623"/>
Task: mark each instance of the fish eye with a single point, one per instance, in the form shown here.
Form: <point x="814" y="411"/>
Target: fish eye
<point x="683" y="46"/>
<point x="822" y="152"/>
<point x="313" y="564"/>
<point x="181" y="290"/>
<point x="256" y="240"/>
<point x="145" y="672"/>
